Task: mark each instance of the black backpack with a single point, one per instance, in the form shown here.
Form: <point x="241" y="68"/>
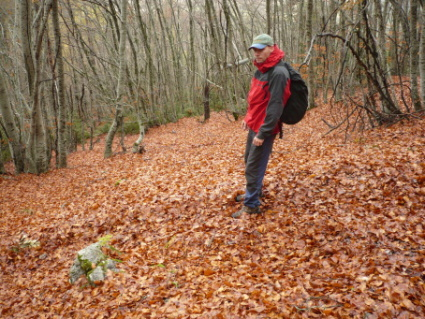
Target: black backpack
<point x="297" y="104"/>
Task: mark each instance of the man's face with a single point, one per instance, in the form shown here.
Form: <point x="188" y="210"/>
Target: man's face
<point x="262" y="55"/>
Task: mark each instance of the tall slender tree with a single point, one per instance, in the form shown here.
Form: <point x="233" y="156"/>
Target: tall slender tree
<point x="118" y="119"/>
<point x="61" y="161"/>
<point x="12" y="131"/>
<point x="422" y="55"/>
<point x="311" y="66"/>
<point x="38" y="154"/>
<point x="414" y="54"/>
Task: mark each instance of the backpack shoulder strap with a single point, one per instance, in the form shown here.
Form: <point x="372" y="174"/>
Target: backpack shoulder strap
<point x="293" y="74"/>
<point x="281" y="63"/>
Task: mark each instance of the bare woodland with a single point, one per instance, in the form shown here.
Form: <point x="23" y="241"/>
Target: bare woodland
<point x="73" y="69"/>
<point x="342" y="229"/>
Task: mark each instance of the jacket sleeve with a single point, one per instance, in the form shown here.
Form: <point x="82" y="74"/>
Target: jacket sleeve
<point x="277" y="84"/>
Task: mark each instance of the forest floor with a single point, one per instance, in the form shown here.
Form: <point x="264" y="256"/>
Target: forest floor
<point x="342" y="234"/>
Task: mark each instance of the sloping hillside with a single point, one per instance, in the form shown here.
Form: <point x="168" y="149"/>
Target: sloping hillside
<point x="342" y="234"/>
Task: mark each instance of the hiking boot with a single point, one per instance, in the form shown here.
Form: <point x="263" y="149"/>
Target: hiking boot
<point x="248" y="210"/>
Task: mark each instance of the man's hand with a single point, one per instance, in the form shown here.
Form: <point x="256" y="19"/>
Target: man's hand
<point x="257" y="141"/>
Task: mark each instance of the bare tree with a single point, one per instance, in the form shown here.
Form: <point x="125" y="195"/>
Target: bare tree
<point x="10" y="128"/>
<point x="311" y="66"/>
<point x="422" y="56"/>
<point x="414" y="54"/>
<point x="118" y="119"/>
<point x="62" y="145"/>
<point x="38" y="154"/>
<point x="173" y="58"/>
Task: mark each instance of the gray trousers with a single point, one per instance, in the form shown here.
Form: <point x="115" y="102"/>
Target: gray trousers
<point x="256" y="160"/>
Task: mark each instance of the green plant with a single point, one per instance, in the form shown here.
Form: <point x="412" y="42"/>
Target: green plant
<point x="105" y="240"/>
<point x="131" y="127"/>
<point x="25" y="242"/>
<point x="80" y="135"/>
<point x="103" y="128"/>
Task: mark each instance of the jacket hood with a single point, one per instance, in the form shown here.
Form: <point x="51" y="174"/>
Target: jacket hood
<point x="271" y="61"/>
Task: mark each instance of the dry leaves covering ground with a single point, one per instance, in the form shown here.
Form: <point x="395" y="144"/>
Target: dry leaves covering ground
<point x="342" y="235"/>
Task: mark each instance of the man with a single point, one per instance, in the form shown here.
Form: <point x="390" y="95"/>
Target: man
<point x="270" y="89"/>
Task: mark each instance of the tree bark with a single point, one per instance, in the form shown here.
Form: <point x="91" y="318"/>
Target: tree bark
<point x="37" y="148"/>
<point x="148" y="53"/>
<point x="422" y="59"/>
<point x="414" y="55"/>
<point x="26" y="36"/>
<point x="311" y="66"/>
<point x="191" y="65"/>
<point x="268" y="17"/>
<point x="206" y="101"/>
<point x="2" y="169"/>
<point x="13" y="134"/>
<point x="118" y="120"/>
<point x="61" y="161"/>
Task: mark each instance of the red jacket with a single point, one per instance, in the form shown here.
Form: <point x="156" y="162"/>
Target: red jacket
<point x="268" y="95"/>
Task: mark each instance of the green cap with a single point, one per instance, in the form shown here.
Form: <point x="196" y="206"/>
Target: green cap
<point x="261" y="41"/>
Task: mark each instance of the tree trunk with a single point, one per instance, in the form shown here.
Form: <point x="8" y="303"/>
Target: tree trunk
<point x="206" y="101"/>
<point x="212" y="28"/>
<point x="2" y="169"/>
<point x="422" y="59"/>
<point x="13" y="134"/>
<point x="380" y="20"/>
<point x="311" y="67"/>
<point x="148" y="53"/>
<point x="118" y="120"/>
<point x="268" y="17"/>
<point x="414" y="54"/>
<point x="61" y="161"/>
<point x="26" y="36"/>
<point x="403" y="19"/>
<point x="37" y="148"/>
<point x="138" y="146"/>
